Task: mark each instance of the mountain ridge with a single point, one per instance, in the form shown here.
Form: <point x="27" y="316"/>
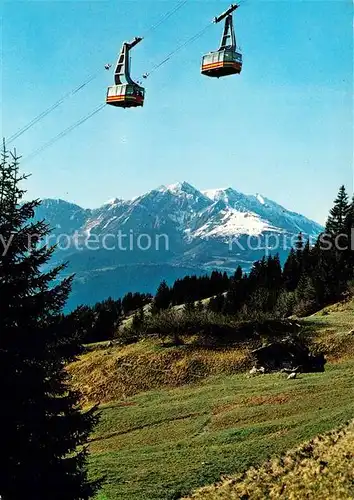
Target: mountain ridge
<point x="214" y="229"/>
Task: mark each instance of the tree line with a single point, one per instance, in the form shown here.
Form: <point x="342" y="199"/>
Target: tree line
<point x="312" y="277"/>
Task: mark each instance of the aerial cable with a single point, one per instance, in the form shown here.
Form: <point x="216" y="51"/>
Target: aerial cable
<point x="165" y="17"/>
<point x="65" y="132"/>
<point x="51" y="108"/>
<point x="180" y="47"/>
<point x="58" y="103"/>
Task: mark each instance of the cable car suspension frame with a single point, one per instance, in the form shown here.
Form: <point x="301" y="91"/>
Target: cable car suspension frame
<point x="125" y="93"/>
<point x="227" y="60"/>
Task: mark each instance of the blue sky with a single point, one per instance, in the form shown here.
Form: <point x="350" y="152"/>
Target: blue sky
<point x="283" y="128"/>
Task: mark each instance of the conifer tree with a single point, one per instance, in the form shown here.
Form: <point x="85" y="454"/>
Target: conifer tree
<point x="338" y="214"/>
<point x="299" y="243"/>
<point x="349" y="231"/>
<point x="349" y="218"/>
<point x="42" y="454"/>
<point x="238" y="275"/>
<point x="306" y="296"/>
<point x="162" y="298"/>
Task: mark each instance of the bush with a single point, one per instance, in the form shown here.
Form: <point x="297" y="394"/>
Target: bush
<point x="205" y="328"/>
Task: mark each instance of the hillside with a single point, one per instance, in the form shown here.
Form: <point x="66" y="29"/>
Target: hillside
<point x="167" y="233"/>
<point x="164" y="444"/>
<point x="332" y="329"/>
<point x="109" y="372"/>
<point x="175" y="419"/>
<point x="319" y="469"/>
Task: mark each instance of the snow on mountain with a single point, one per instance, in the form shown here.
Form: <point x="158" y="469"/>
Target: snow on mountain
<point x="260" y="198"/>
<point x="199" y="226"/>
<point x="267" y="210"/>
<point x="183" y="209"/>
<point x="233" y="223"/>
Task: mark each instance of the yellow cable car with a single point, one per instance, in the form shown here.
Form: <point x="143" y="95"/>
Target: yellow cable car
<point x="125" y="93"/>
<point x="227" y="60"/>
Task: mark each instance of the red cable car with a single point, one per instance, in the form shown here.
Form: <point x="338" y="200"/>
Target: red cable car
<point x="227" y="60"/>
<point x="125" y="93"/>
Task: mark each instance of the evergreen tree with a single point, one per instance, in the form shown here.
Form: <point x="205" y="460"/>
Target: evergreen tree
<point x="41" y="422"/>
<point x="162" y="298"/>
<point x="336" y="222"/>
<point x="306" y="296"/>
<point x="349" y="230"/>
<point x="238" y="275"/>
<point x="291" y="271"/>
<point x="349" y="218"/>
<point x="299" y="243"/>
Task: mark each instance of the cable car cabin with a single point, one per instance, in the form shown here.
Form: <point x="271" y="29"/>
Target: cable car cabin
<point x="227" y="60"/>
<point x="125" y="93"/>
<point x="125" y="96"/>
<point x="222" y="63"/>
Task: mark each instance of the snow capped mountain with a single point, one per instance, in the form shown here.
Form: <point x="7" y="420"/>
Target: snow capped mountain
<point x="270" y="215"/>
<point x="199" y="226"/>
<point x="184" y="213"/>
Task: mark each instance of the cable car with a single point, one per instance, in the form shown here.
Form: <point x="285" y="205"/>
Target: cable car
<point x="227" y="60"/>
<point x="125" y="93"/>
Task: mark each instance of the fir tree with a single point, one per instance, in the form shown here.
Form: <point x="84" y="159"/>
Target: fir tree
<point x="238" y="275"/>
<point x="349" y="230"/>
<point x="336" y="222"/>
<point x="162" y="298"/>
<point x="299" y="243"/>
<point x="291" y="271"/>
<point x="306" y="296"/>
<point x="41" y="422"/>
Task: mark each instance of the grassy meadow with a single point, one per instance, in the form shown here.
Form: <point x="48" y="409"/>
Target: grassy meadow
<point x="164" y="444"/>
<point x="175" y="419"/>
<point x="321" y="468"/>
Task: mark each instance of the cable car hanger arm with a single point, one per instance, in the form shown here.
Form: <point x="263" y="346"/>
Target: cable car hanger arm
<point x="134" y="42"/>
<point x="229" y="11"/>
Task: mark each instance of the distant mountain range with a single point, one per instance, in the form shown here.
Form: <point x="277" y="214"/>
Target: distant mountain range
<point x="171" y="231"/>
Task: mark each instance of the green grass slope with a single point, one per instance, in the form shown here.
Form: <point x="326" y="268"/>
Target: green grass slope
<point x="320" y="469"/>
<point x="333" y="330"/>
<point x="165" y="444"/>
<point x="175" y="419"/>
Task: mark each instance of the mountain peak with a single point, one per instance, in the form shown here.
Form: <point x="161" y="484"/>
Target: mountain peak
<point x="183" y="186"/>
<point x="260" y="198"/>
<point x="218" y="194"/>
<point x="113" y="201"/>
